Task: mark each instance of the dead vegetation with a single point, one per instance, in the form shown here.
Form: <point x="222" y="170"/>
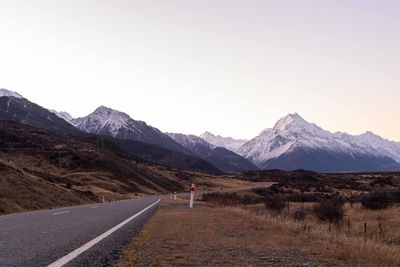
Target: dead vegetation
<point x="252" y="235"/>
<point x="309" y="221"/>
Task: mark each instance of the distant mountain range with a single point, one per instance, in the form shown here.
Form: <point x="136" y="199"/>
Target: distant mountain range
<point x="293" y="143"/>
<point x="109" y="122"/>
<point x="220" y="157"/>
<point x="134" y="137"/>
<point x="226" y="142"/>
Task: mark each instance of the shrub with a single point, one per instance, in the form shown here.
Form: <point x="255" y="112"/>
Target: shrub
<point x="229" y="199"/>
<point x="299" y="197"/>
<point x="299" y="215"/>
<point x="375" y="201"/>
<point x="275" y="203"/>
<point x="330" y="210"/>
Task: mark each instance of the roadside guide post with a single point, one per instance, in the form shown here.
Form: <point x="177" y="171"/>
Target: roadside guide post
<point x="192" y="189"/>
<point x="174" y="195"/>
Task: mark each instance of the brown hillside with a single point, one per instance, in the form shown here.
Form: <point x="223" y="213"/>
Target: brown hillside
<point x="40" y="169"/>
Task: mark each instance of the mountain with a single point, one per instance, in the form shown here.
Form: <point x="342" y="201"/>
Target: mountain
<point x="5" y="92"/>
<point x="220" y="157"/>
<point x="110" y="122"/>
<point x="141" y="140"/>
<point x="226" y="142"/>
<point x="373" y="143"/>
<point x="294" y="143"/>
<point x="14" y="107"/>
<point x="40" y="169"/>
<point x="63" y="115"/>
<point x="166" y="157"/>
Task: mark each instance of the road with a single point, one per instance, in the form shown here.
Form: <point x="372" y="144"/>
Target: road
<point x="89" y="235"/>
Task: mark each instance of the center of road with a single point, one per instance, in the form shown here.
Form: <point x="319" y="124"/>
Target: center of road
<point x="69" y="257"/>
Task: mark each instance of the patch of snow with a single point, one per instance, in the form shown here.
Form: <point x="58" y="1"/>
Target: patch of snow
<point x="225" y="142"/>
<point x="5" y="92"/>
<point x="104" y="118"/>
<point x="191" y="142"/>
<point x="63" y="115"/>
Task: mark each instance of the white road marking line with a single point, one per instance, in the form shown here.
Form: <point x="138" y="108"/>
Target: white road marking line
<point x="63" y="212"/>
<point x="64" y="260"/>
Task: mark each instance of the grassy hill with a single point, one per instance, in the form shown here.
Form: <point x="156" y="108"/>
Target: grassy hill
<point x="41" y="169"/>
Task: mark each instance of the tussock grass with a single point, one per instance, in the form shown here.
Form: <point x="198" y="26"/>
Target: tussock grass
<point x="249" y="236"/>
<point x="353" y="249"/>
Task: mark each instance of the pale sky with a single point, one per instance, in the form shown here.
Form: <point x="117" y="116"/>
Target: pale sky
<point x="229" y="67"/>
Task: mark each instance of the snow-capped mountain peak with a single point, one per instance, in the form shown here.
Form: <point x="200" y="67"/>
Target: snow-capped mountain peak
<point x="294" y="122"/>
<point x="103" y="118"/>
<point x="288" y="120"/>
<point x="5" y="92"/>
<point x="292" y="134"/>
<point x="111" y="122"/>
<point x="63" y="115"/>
<point x="225" y="142"/>
<point x="107" y="112"/>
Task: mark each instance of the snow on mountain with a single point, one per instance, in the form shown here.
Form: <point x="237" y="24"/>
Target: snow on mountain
<point x="104" y="119"/>
<point x="14" y="107"/>
<point x="63" y="115"/>
<point x="220" y="157"/>
<point x="373" y="144"/>
<point x="107" y="121"/>
<point x="193" y="143"/>
<point x="5" y="92"/>
<point x="226" y="142"/>
<point x="293" y="133"/>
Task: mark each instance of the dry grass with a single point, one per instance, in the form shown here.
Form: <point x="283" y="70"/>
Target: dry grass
<point x="31" y="181"/>
<point x="382" y="225"/>
<point x="233" y="236"/>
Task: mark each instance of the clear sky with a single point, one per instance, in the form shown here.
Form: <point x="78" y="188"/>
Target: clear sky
<point x="230" y="67"/>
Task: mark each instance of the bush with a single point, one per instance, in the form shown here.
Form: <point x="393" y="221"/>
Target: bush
<point x="330" y="210"/>
<point x="230" y="199"/>
<point x="299" y="197"/>
<point x="275" y="203"/>
<point x="299" y="215"/>
<point x="375" y="201"/>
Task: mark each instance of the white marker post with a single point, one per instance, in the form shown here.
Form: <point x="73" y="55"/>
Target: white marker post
<point x="192" y="189"/>
<point x="174" y="195"/>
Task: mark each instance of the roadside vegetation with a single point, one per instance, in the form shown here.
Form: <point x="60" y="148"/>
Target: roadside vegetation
<point x="308" y="220"/>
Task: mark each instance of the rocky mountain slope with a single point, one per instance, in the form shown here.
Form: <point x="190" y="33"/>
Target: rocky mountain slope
<point x="14" y="107"/>
<point x="226" y="142"/>
<point x="220" y="157"/>
<point x="110" y="122"/>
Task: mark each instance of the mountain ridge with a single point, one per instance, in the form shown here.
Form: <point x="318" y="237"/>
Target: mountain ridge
<point x="220" y="157"/>
<point x="292" y="134"/>
<point x="109" y="122"/>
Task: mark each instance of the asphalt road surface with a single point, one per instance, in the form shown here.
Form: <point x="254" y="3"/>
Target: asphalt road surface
<point x="89" y="235"/>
